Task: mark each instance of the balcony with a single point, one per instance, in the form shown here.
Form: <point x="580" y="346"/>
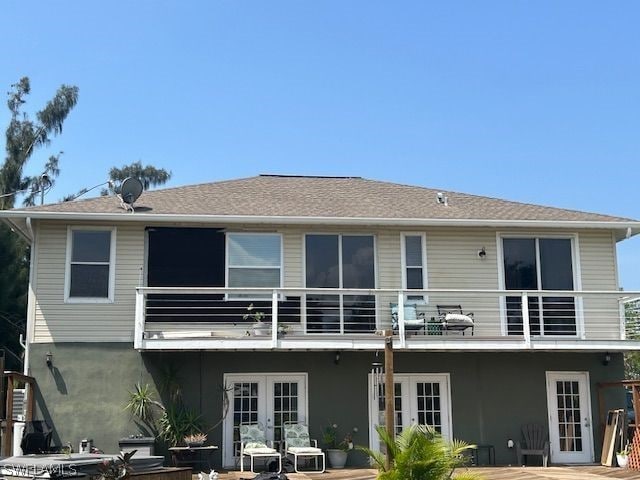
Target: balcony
<point x="211" y="318"/>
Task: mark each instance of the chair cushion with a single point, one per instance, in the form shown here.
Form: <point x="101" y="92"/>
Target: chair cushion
<point x="458" y="319"/>
<point x="259" y="450"/>
<point x="410" y="311"/>
<point x="309" y="450"/>
<point x="255" y="445"/>
<point x="297" y="435"/>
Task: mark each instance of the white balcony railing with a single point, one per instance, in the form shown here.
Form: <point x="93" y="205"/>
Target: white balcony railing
<point x="211" y="316"/>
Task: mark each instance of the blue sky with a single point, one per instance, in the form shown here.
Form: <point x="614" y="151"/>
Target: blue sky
<point x="529" y="101"/>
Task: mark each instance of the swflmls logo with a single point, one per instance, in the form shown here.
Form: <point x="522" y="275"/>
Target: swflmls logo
<point x="30" y="471"/>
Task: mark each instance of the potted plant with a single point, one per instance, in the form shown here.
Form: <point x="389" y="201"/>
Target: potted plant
<point x="337" y="446"/>
<point x="260" y="328"/>
<point x="623" y="457"/>
<point x="195" y="439"/>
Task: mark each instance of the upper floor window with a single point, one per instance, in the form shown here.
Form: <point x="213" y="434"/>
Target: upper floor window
<point x="254" y="260"/>
<point x="340" y="261"/>
<point x="540" y="264"/>
<point x="90" y="264"/>
<point x="414" y="263"/>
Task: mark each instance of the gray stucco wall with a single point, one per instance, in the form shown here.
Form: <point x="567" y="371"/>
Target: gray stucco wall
<point x="493" y="394"/>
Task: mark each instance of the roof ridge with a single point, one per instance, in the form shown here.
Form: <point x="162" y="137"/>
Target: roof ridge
<point x="333" y="177"/>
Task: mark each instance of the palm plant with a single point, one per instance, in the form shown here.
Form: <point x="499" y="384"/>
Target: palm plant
<point x="420" y="453"/>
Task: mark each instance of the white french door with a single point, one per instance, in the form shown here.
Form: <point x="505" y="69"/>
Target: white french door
<point x="569" y="404"/>
<point x="269" y="399"/>
<point x="418" y="399"/>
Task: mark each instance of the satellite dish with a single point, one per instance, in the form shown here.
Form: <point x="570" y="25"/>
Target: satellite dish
<point x="130" y="190"/>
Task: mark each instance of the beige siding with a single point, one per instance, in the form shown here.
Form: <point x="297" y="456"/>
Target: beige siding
<point x="58" y="321"/>
<point x="598" y="272"/>
<point x="452" y="263"/>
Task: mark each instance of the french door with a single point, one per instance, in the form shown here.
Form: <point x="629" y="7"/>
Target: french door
<point x="569" y="405"/>
<point x="269" y="399"/>
<point x="423" y="399"/>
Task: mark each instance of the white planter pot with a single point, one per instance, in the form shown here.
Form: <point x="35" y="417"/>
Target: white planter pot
<point x="337" y="458"/>
<point x="623" y="460"/>
<point x="260" y="329"/>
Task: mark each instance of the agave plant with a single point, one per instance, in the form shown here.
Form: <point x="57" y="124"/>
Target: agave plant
<point x="420" y="453"/>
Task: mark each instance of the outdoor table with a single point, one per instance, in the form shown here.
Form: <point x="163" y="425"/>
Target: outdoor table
<point x="192" y="456"/>
<point x="491" y="454"/>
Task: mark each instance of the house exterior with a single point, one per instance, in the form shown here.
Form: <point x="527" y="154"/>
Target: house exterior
<point x="117" y="296"/>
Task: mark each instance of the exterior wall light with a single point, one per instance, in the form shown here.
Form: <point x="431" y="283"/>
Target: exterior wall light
<point x="49" y="359"/>
<point x="606" y="359"/>
<point x="482" y="253"/>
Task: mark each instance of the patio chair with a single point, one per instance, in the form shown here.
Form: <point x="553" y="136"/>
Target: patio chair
<point x="535" y="442"/>
<point x="36" y="438"/>
<point x="413" y="320"/>
<point x="298" y="444"/>
<point x="452" y="318"/>
<point x="254" y="445"/>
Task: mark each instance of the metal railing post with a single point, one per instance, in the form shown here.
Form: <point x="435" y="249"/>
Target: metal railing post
<point x="138" y="333"/>
<point x="526" y="330"/>
<point x="401" y="331"/>
<point x="274" y="318"/>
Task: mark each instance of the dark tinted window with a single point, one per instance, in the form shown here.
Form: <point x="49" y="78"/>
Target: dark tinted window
<point x="321" y="252"/>
<point x="520" y="264"/>
<point x="556" y="271"/>
<point x="91" y="246"/>
<point x="358" y="270"/>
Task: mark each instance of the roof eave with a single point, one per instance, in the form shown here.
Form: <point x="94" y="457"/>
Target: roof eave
<point x="21" y="228"/>
<point x="624" y="229"/>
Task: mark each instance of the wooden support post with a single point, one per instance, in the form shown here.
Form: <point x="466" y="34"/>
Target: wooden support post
<point x="389" y="389"/>
<point x="7" y="439"/>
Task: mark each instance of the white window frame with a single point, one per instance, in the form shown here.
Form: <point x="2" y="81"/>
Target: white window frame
<point x="112" y="265"/>
<point x="231" y="296"/>
<point x="577" y="277"/>
<point x="403" y="256"/>
<point x="340" y="282"/>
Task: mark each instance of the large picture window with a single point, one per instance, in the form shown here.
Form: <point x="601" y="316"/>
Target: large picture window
<point x="340" y="261"/>
<point x="254" y="260"/>
<point x="90" y="265"/>
<point x="540" y="264"/>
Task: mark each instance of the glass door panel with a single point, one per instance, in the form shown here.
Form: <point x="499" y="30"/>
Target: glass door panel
<point x="539" y="264"/>
<point x="268" y="399"/>
<point x="418" y="398"/>
<point x="569" y="417"/>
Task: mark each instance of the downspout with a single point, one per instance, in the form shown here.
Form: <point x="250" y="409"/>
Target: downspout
<point x="30" y="298"/>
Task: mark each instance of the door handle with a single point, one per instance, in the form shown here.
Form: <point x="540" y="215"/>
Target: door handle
<point x="587" y="424"/>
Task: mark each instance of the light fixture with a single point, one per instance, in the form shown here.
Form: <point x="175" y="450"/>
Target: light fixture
<point x="336" y="359"/>
<point x="510" y="443"/>
<point x="482" y="253"/>
<point x="606" y="359"/>
<point x="49" y="359"/>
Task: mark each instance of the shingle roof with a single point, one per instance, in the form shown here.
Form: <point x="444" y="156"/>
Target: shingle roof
<point x="332" y="197"/>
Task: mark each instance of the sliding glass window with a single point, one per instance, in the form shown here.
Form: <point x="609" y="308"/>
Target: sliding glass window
<point x="540" y="264"/>
<point x="340" y="261"/>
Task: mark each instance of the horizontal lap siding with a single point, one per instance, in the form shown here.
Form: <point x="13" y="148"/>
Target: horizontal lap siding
<point x="85" y="322"/>
<point x="598" y="268"/>
<point x="453" y="263"/>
